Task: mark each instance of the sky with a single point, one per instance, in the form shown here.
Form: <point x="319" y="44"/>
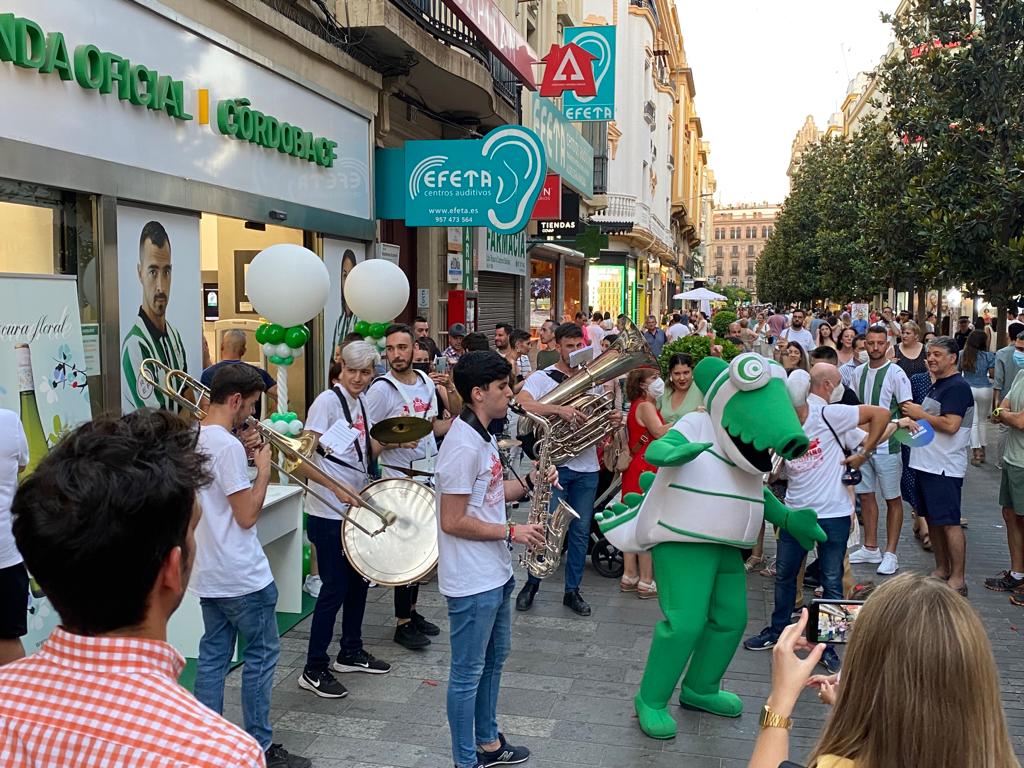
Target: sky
<point x="761" y="67"/>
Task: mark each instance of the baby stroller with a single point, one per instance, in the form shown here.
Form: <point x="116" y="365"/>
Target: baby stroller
<point x="606" y="559"/>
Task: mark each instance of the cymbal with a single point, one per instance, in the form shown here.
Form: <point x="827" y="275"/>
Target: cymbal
<point x="509" y="442"/>
<point x="409" y="471"/>
<point x="400" y="429"/>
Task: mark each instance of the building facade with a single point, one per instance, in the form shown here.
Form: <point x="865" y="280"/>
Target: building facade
<point x="739" y="234"/>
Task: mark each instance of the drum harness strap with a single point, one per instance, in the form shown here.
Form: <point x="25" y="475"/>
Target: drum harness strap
<point x="367" y="459"/>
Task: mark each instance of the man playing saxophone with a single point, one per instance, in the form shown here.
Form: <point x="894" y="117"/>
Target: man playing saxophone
<point x="475" y="560"/>
<point x="577" y="478"/>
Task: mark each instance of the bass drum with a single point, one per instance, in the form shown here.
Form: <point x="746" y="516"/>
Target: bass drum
<point x="407" y="549"/>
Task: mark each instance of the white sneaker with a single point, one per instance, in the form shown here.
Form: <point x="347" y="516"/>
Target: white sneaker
<point x="890" y="564"/>
<point x="312" y="585"/>
<point x="865" y="555"/>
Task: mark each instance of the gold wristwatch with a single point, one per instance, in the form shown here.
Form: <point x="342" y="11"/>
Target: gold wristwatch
<point x="770" y="719"/>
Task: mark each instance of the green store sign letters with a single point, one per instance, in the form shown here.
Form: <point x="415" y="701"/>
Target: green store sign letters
<point x="24" y="43"/>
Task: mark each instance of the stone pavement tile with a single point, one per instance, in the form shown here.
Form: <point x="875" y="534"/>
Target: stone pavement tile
<point x="348" y="750"/>
<point x="336" y="725"/>
<point x="603" y="689"/>
<point x="435" y="738"/>
<point x="625" y="735"/>
<point x="536" y="682"/>
<point x="592" y="709"/>
<point x="380" y="687"/>
<point x="296" y="742"/>
<point x="527" y="727"/>
<point x="394" y="712"/>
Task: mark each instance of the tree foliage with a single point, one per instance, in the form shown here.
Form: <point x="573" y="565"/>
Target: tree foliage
<point x="933" y="192"/>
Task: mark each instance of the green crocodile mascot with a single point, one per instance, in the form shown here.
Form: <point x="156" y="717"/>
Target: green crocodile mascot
<point x="705" y="504"/>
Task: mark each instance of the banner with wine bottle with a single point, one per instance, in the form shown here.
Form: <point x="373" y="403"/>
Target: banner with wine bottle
<point x="43" y="379"/>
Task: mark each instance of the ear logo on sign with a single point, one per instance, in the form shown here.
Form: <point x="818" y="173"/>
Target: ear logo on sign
<point x="493" y="182"/>
<point x="596" y="45"/>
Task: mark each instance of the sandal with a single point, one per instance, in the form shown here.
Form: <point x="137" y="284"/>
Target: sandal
<point x="926" y="543"/>
<point x="753" y="562"/>
<point x="627" y="584"/>
<point x="962" y="590"/>
<point x="646" y="591"/>
<point x="769" y="570"/>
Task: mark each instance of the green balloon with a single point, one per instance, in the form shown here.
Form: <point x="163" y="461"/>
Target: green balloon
<point x="362" y="328"/>
<point x="377" y="330"/>
<point x="261" y="334"/>
<point x="286" y="361"/>
<point x="275" y="333"/>
<point x="296" y="336"/>
<point x="275" y="359"/>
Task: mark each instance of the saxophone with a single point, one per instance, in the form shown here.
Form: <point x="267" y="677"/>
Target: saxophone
<point x="543" y="561"/>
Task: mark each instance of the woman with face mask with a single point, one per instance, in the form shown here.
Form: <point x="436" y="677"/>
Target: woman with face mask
<point x="644" y="425"/>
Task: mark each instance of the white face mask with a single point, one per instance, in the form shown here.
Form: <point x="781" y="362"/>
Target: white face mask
<point x="656" y="388"/>
<point x="837" y="393"/>
<point x="862" y="356"/>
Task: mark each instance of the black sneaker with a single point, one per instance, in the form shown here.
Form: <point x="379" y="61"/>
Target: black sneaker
<point x="279" y="757"/>
<point x="426" y="627"/>
<point x="407" y="635"/>
<point x="506" y="754"/>
<point x="830" y="660"/>
<point x="575" y="602"/>
<point x="1003" y="583"/>
<point x="763" y="641"/>
<point x="323" y="684"/>
<point x="360" y="661"/>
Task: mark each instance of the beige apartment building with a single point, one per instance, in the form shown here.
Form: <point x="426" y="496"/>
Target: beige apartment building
<point x="739" y="234"/>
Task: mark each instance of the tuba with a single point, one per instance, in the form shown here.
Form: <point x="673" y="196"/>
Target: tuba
<point x="379" y="544"/>
<point x="629" y="351"/>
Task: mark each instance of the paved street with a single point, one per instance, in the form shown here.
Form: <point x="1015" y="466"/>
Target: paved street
<point x="567" y="688"/>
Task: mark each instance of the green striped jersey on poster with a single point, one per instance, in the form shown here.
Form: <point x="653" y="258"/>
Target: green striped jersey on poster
<point x="143" y="341"/>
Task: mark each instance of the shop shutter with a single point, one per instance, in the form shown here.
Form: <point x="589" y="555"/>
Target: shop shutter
<point x="496" y="301"/>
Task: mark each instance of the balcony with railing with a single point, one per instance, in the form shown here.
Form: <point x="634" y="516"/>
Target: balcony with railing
<point x="648" y="5"/>
<point x="650" y="113"/>
<point x="627" y="209"/>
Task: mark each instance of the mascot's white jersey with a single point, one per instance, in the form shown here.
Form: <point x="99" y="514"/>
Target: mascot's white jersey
<point x="705" y="500"/>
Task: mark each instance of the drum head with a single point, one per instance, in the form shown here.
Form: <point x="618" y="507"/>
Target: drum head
<point x="407" y="550"/>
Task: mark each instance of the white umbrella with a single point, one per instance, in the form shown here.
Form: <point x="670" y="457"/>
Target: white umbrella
<point x="700" y="294"/>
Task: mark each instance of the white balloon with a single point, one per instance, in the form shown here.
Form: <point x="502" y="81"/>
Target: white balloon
<point x="296" y="352"/>
<point x="371" y="340"/>
<point x="287" y="284"/>
<point x="283" y="350"/>
<point x="281" y="426"/>
<point x="269" y="349"/>
<point x="376" y="290"/>
<point x="295" y="427"/>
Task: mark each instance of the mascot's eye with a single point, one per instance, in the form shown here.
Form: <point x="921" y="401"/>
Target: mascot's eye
<point x="749" y="371"/>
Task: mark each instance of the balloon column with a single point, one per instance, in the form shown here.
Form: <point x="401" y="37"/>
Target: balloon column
<point x="288" y="285"/>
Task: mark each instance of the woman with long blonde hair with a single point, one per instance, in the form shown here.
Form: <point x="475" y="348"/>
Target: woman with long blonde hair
<point x="919" y="687"/>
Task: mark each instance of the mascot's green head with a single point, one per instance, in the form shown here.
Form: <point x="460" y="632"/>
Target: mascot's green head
<point x="750" y="409"/>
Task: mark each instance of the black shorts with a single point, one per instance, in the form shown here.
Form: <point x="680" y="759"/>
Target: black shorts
<point x="938" y="498"/>
<point x="13" y="602"/>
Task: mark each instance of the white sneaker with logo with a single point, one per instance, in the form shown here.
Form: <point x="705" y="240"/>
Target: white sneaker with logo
<point x="312" y="585"/>
<point x="865" y="555"/>
<point x="890" y="564"/>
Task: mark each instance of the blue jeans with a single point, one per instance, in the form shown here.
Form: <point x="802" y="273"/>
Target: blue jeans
<point x="579" y="489"/>
<point x="341" y="586"/>
<point x="790" y="556"/>
<point x="224" y="618"/>
<point x="481" y="636"/>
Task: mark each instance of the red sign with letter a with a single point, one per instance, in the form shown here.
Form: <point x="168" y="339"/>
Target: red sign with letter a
<point x="549" y="202"/>
<point x="568" y="68"/>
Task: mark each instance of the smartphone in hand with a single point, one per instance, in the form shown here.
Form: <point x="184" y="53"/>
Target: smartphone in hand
<point x="831" y="621"/>
<point x="441" y="364"/>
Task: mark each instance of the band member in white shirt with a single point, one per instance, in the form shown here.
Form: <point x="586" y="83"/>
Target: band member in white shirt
<point x="342" y="587"/>
<point x="405" y="391"/>
<point x="475" y="560"/>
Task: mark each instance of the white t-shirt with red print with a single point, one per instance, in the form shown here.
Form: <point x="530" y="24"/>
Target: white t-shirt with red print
<point x="468" y="464"/>
<point x="387" y="397"/>
<point x="325" y="411"/>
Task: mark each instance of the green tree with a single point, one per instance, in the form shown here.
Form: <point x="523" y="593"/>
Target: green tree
<point x="955" y="99"/>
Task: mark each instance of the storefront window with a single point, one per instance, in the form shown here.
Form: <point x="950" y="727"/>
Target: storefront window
<point x="542" y="292"/>
<point x="572" y="301"/>
<point x="51" y="232"/>
<point x="631" y="293"/>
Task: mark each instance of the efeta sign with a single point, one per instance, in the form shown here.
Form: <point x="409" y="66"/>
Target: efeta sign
<point x="600" y="43"/>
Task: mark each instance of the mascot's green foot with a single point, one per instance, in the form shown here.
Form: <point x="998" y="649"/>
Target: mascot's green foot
<point x="656" y="723"/>
<point x="722" y="703"/>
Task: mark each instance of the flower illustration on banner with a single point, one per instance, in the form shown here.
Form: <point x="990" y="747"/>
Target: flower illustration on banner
<point x="60" y="428"/>
<point x="67" y="373"/>
<point x="46" y="391"/>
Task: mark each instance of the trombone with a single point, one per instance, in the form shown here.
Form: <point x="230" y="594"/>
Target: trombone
<point x="294" y="452"/>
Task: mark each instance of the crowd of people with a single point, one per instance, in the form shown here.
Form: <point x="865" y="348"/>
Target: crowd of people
<point x="145" y="503"/>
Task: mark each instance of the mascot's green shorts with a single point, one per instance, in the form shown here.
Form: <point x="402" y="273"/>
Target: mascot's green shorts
<point x="705" y="504"/>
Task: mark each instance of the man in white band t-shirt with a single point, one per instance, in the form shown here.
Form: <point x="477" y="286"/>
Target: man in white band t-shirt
<point x="577" y="477"/>
<point x="404" y="391"/>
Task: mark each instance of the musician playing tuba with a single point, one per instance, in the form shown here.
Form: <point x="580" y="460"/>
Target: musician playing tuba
<point x="577" y="476"/>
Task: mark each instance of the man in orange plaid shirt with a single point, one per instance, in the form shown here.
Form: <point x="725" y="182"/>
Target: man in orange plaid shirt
<point x="106" y="526"/>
